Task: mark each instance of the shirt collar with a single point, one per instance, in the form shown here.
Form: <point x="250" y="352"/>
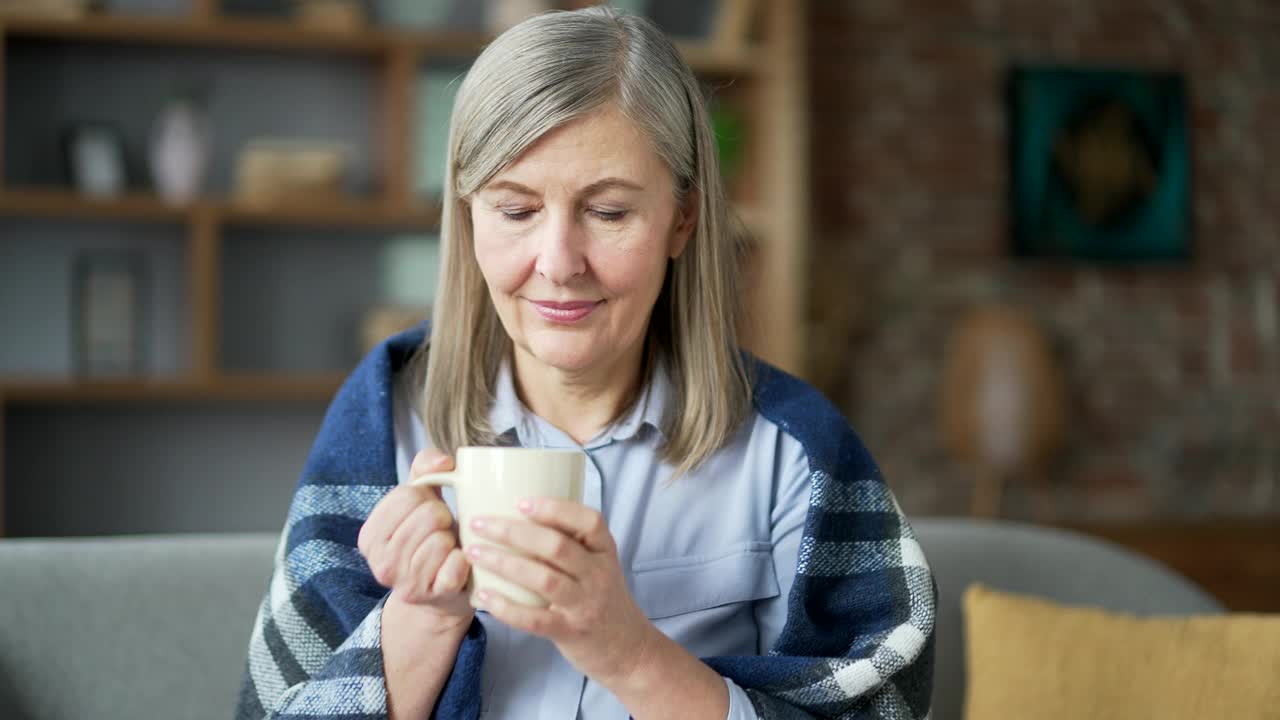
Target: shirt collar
<point x="508" y="413"/>
<point x="648" y="410"/>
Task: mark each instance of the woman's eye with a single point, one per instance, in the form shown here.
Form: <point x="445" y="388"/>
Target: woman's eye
<point x="609" y="215"/>
<point x="516" y="215"/>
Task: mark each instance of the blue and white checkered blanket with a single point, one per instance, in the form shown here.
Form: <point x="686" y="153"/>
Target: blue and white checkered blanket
<point x="858" y="641"/>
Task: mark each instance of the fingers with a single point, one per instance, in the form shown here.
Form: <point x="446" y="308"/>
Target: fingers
<point x="452" y="575"/>
<point x="536" y="621"/>
<point x="425" y="563"/>
<point x="426" y="462"/>
<point x="429" y="461"/>
<point x="544" y="543"/>
<point x="552" y="585"/>
<point x="584" y="524"/>
<point x="391" y="559"/>
<point x="386" y="517"/>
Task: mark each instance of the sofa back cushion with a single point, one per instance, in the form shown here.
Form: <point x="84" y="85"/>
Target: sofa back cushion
<point x="135" y="627"/>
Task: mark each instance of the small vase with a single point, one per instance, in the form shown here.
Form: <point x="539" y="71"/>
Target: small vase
<point x="180" y="152"/>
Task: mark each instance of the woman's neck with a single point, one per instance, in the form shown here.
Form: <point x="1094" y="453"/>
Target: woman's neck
<point x="580" y="404"/>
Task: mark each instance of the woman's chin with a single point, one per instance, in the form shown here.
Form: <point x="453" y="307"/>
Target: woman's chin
<point x="566" y="362"/>
<point x="565" y="354"/>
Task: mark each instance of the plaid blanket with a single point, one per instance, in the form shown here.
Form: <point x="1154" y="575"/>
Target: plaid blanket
<point x="858" y="640"/>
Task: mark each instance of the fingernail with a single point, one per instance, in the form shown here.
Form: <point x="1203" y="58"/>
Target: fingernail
<point x="479" y="524"/>
<point x="483" y="597"/>
<point x="525" y="505"/>
<point x="475" y="551"/>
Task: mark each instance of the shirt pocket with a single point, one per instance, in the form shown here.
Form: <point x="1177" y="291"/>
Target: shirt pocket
<point x="744" y="573"/>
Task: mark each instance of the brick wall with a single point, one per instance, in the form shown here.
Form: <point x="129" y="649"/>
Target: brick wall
<point x="1174" y="373"/>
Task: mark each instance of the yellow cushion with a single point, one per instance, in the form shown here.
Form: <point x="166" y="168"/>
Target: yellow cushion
<point x="1031" y="658"/>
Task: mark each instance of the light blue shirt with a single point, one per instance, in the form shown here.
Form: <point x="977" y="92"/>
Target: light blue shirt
<point x="710" y="558"/>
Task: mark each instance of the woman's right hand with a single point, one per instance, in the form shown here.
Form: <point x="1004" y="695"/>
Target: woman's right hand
<point x="411" y="543"/>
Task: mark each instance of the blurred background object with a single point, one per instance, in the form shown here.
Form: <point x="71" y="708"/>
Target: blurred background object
<point x="336" y="15"/>
<point x="276" y="171"/>
<point x="180" y="146"/>
<point x="409" y="269"/>
<point x="418" y="14"/>
<point x="877" y="153"/>
<point x="1003" y="402"/>
<point x="503" y="14"/>
<point x="95" y="159"/>
<point x="109" y="311"/>
<point x="1099" y="164"/>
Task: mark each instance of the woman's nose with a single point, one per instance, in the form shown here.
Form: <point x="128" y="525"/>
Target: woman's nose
<point x="560" y="256"/>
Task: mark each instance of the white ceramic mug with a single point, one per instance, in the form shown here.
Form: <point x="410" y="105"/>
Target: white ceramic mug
<point x="490" y="481"/>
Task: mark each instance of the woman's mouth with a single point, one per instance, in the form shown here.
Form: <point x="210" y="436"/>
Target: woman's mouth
<point x="565" y="312"/>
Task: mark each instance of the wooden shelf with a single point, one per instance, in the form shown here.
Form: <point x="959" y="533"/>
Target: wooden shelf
<point x="149" y="208"/>
<point x="337" y="213"/>
<point x="288" y="36"/>
<point x="267" y="388"/>
<point x="240" y="33"/>
<point x="65" y="204"/>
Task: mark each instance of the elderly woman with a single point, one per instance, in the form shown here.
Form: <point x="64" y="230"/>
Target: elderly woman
<point x="736" y="555"/>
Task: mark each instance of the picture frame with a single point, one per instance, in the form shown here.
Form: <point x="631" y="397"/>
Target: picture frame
<point x="108" y="312"/>
<point x="95" y="159"/>
<point x="1100" y="165"/>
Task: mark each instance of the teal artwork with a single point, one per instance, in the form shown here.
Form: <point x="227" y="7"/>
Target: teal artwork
<point x="1100" y="165"/>
<point x="437" y="88"/>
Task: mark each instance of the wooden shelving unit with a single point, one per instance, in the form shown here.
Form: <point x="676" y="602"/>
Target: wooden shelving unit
<point x="237" y="33"/>
<point x="66" y="204"/>
<point x="767" y="76"/>
<point x="263" y="388"/>
<point x="234" y="33"/>
<point x="147" y="208"/>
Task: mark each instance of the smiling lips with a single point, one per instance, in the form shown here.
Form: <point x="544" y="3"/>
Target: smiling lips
<point x="565" y="312"/>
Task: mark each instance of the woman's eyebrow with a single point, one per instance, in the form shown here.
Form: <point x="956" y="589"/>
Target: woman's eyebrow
<point x="510" y="185"/>
<point x="610" y="183"/>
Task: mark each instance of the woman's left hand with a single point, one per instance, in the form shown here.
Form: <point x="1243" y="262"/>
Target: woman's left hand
<point x="573" y="564"/>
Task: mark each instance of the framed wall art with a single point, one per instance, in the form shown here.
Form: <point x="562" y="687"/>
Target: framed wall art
<point x="1099" y="165"/>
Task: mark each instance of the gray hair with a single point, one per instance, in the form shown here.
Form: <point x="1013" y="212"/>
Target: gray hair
<point x="535" y="77"/>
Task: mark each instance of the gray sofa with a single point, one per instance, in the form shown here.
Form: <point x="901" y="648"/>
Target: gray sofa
<point x="149" y="627"/>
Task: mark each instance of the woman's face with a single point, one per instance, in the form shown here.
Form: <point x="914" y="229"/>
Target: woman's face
<point x="573" y="240"/>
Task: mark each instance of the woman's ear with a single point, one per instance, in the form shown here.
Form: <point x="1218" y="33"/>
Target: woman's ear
<point x="685" y="222"/>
